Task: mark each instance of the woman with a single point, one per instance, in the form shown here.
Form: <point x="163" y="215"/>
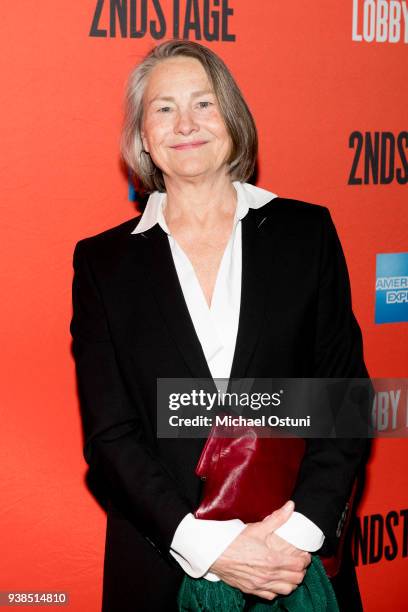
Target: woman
<point x="189" y="289"/>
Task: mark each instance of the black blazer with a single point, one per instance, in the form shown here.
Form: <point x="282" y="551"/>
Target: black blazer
<point x="131" y="325"/>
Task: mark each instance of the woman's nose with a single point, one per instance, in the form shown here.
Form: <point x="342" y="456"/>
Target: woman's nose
<point x="185" y="123"/>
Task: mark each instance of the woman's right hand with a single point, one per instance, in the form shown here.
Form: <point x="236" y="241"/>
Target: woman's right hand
<point x="260" y="562"/>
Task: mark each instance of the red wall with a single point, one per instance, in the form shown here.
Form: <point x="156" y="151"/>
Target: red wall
<point x="309" y="85"/>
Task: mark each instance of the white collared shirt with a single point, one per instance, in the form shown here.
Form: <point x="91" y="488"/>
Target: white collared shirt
<point x="197" y="543"/>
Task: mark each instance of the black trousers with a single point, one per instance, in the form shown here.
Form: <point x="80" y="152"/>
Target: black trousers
<point x="345" y="586"/>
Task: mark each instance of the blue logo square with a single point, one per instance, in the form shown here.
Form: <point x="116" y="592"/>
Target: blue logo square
<point x="132" y="193"/>
<point x="391" y="288"/>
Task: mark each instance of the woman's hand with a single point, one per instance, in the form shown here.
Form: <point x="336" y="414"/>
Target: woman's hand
<point x="260" y="562"/>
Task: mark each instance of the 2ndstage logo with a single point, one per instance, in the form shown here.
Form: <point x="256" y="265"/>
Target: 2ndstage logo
<point x="187" y="19"/>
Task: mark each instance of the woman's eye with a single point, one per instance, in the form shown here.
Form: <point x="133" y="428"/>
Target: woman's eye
<point x="204" y="104"/>
<point x="164" y="109"/>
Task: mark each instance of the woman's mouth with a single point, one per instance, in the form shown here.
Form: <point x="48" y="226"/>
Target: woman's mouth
<point x="189" y="145"/>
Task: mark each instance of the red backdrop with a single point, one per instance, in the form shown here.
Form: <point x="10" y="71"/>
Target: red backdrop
<point x="310" y="83"/>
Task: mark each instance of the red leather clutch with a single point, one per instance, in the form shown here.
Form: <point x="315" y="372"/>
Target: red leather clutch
<point x="249" y="476"/>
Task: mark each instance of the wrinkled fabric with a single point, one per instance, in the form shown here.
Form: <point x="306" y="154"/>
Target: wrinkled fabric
<point x="314" y="594"/>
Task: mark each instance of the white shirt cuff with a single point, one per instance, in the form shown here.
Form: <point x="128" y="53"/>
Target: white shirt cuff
<point x="301" y="532"/>
<point x="197" y="543"/>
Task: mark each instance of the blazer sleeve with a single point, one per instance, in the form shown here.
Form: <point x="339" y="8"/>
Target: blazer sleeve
<point x="330" y="466"/>
<point x="114" y="444"/>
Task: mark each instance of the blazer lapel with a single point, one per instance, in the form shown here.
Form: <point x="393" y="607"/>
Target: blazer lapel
<point x="162" y="277"/>
<point x="253" y="292"/>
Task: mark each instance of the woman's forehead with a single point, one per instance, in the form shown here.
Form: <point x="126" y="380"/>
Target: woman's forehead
<point x="172" y="73"/>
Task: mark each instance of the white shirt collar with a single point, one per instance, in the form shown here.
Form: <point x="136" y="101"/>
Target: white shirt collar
<point x="249" y="196"/>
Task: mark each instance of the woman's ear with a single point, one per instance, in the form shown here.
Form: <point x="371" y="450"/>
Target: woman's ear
<point x="144" y="142"/>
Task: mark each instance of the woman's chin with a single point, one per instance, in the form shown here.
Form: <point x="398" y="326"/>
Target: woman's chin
<point x="194" y="170"/>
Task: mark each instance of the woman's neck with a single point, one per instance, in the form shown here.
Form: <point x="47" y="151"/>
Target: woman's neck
<point x="199" y="204"/>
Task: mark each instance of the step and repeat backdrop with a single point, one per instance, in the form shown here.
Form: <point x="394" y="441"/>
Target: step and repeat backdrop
<point x="327" y="85"/>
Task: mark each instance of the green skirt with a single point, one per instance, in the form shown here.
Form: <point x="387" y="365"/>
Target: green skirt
<point x="315" y="594"/>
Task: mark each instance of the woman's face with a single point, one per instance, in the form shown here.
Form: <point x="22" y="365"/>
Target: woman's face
<point x="183" y="129"/>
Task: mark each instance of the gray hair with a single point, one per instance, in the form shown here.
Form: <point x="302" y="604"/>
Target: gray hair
<point x="234" y="110"/>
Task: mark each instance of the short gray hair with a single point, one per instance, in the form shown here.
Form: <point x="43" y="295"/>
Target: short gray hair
<point x="234" y="110"/>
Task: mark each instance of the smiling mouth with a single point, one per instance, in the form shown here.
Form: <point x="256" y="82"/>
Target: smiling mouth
<point x="189" y="145"/>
